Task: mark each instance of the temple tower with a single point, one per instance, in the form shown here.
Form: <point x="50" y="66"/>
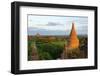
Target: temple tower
<point x="73" y="39"/>
<point x="72" y="43"/>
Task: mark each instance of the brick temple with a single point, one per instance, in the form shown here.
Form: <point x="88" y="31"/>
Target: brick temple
<point x="73" y="39"/>
<point x="72" y="43"/>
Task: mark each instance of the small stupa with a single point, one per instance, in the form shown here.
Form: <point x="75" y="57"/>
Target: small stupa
<point x="34" y="54"/>
<point x="38" y="35"/>
<point x="73" y="39"/>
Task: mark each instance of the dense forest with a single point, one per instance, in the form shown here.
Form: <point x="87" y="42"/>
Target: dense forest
<point x="51" y="47"/>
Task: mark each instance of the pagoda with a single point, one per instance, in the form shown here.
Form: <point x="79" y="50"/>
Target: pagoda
<point x="73" y="43"/>
<point x="73" y="39"/>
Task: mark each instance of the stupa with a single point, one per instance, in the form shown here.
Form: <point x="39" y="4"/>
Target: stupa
<point x="73" y="43"/>
<point x="34" y="54"/>
<point x="73" y="39"/>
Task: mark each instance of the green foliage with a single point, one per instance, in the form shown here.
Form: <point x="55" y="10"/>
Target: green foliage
<point x="29" y="50"/>
<point x="44" y="56"/>
<point x="31" y="44"/>
<point x="84" y="46"/>
<point x="74" y="53"/>
<point x="53" y="50"/>
<point x="50" y="48"/>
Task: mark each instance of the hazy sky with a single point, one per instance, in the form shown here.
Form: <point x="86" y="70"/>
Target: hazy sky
<point x="56" y="25"/>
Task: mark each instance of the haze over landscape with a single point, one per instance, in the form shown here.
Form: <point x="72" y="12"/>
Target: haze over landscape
<point x="56" y="25"/>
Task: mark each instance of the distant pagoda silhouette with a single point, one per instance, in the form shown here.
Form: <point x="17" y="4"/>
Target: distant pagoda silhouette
<point x="73" y="39"/>
<point x="38" y="35"/>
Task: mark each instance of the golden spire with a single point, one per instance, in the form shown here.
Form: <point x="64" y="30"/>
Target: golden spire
<point x="73" y="39"/>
